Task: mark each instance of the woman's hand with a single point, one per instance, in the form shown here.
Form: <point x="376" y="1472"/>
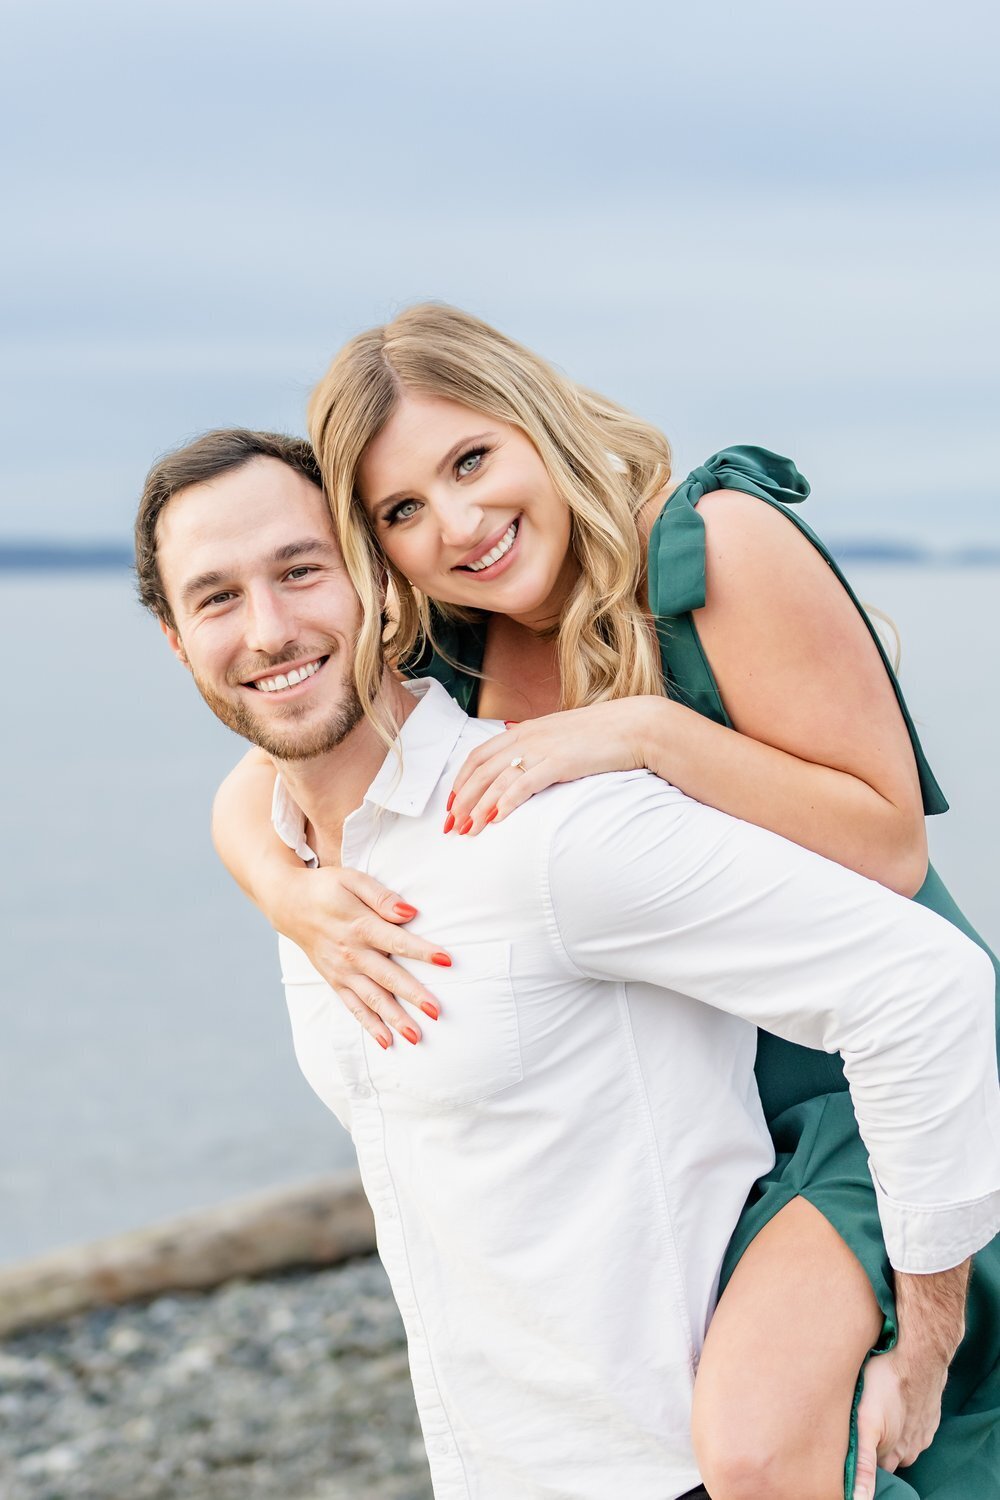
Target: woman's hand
<point x="559" y="747"/>
<point x="349" y="925"/>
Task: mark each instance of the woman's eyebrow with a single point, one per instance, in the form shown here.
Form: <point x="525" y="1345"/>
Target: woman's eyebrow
<point x="446" y="462"/>
<point x="459" y="447"/>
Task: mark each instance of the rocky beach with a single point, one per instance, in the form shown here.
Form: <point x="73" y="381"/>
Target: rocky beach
<point x="292" y="1387"/>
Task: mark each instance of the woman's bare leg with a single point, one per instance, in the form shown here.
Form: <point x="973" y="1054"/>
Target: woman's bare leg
<point x="772" y="1401"/>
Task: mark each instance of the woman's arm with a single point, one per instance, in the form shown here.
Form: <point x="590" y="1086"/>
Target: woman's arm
<point x="819" y="751"/>
<point x="263" y="867"/>
<point x="822" y="754"/>
<point x="345" y="922"/>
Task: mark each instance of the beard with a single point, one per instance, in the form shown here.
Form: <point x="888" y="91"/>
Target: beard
<point x="283" y="738"/>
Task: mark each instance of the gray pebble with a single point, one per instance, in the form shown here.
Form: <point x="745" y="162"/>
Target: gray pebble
<point x="294" y="1388"/>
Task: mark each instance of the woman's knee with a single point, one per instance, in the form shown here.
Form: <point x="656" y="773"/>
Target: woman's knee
<point x="773" y="1397"/>
<point x="755" y="1443"/>
<point x="738" y="1466"/>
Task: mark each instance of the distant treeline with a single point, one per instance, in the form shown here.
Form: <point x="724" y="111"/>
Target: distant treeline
<point x="60" y="557"/>
<point x="97" y="557"/>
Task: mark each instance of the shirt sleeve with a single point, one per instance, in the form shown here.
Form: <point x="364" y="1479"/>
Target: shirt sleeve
<point x="647" y="886"/>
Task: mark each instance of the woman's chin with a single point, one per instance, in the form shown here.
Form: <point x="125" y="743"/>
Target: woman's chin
<point x="516" y="598"/>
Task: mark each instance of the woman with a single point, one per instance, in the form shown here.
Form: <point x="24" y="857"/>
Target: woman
<point x="513" y="514"/>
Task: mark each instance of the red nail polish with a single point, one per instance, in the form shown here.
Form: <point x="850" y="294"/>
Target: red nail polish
<point x="466" y="826"/>
<point x="441" y="959"/>
<point x="429" y="1009"/>
<point x="404" y="909"/>
<point x="451" y="802"/>
<point x="449" y="823"/>
<point x="490" y="815"/>
<point x="410" y="1034"/>
<point x="382" y="1042"/>
<point x="511" y="723"/>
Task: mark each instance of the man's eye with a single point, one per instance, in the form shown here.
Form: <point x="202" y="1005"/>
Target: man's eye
<point x="469" y="462"/>
<point x="222" y="598"/>
<point x="302" y="572"/>
<point x="403" y="511"/>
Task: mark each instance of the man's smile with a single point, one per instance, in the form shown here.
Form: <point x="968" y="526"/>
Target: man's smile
<point x="290" y="676"/>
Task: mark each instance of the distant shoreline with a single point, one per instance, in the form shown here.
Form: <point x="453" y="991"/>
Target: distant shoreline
<point x="105" y="557"/>
<point x="61" y="557"/>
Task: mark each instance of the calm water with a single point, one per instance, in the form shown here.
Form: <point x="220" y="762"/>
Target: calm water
<point x="146" y="1062"/>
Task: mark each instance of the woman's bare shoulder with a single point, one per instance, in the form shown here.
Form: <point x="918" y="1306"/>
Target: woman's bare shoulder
<point x="792" y="653"/>
<point x="756" y="556"/>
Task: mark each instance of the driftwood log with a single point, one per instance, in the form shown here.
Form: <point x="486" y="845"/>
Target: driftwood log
<point x="314" y="1224"/>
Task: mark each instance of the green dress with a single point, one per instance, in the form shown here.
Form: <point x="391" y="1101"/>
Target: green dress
<point x="820" y="1155"/>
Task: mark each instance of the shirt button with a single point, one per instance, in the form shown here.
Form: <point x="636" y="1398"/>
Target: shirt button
<point x="389" y="1209"/>
<point x="362" y="1091"/>
<point x="440" y="1447"/>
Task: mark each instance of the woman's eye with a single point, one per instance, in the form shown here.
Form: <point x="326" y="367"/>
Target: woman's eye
<point x="403" y="511"/>
<point x="470" y="462"/>
<point x="296" y="573"/>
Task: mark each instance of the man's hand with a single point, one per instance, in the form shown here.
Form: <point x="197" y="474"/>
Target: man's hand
<point x="898" y="1416"/>
<point x="901" y="1406"/>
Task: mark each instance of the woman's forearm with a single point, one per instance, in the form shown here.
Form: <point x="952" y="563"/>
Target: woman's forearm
<point x="831" y="812"/>
<point x="262" y="866"/>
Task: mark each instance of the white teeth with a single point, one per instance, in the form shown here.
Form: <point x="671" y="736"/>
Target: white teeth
<point x="502" y="547"/>
<point x="298" y="674"/>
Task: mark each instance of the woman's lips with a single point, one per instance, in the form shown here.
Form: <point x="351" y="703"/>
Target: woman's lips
<point x="505" y="545"/>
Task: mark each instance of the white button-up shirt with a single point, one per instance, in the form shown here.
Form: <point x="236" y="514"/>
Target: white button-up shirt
<point x="556" y="1169"/>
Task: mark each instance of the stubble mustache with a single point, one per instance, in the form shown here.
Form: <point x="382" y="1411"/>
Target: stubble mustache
<point x="280" y="739"/>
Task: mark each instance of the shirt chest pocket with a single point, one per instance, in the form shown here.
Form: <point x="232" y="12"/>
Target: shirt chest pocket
<point x="468" y="1055"/>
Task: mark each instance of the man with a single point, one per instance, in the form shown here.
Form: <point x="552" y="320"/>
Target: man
<point x="556" y="1171"/>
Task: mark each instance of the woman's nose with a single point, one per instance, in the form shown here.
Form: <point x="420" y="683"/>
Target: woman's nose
<point x="460" y="523"/>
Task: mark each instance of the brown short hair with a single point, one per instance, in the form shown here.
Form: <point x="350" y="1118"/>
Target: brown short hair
<point x="210" y="455"/>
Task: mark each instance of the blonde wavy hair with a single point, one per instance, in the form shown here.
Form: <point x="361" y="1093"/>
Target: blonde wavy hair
<point x="603" y="462"/>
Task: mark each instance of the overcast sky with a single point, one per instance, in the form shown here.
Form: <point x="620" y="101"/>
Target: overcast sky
<point x="771" y="222"/>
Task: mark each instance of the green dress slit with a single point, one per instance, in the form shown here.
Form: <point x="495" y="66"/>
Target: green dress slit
<point x="819" y="1153"/>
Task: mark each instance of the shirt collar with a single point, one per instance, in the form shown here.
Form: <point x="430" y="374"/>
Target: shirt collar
<point x="414" y="765"/>
<point x="409" y="773"/>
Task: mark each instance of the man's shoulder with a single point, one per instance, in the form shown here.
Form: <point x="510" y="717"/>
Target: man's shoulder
<point x="592" y="812"/>
<point x="600" y="830"/>
<point x="616" y="787"/>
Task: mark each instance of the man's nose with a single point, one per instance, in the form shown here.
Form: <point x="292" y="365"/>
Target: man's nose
<point x="271" y="625"/>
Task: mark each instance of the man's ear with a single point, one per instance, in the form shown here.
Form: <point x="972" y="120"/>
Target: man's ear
<point x="175" y="643"/>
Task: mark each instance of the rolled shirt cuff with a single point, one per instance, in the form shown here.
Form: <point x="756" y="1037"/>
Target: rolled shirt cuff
<point x="921" y="1240"/>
